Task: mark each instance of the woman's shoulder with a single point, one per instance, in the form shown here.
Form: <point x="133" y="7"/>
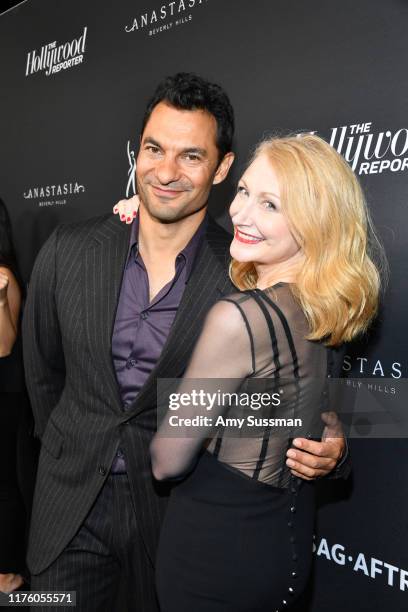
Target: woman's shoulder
<point x="274" y="308"/>
<point x="275" y="300"/>
<point x="240" y="311"/>
<point x="238" y="297"/>
<point x="227" y="313"/>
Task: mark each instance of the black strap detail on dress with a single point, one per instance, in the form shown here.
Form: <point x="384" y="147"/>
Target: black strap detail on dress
<point x="271" y="328"/>
<point x="295" y="360"/>
<point x="275" y="352"/>
<point x="262" y="454"/>
<point x="251" y="340"/>
<point x="218" y="443"/>
<point x="286" y="327"/>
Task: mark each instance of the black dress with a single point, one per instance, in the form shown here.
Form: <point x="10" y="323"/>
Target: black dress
<point x="237" y="535"/>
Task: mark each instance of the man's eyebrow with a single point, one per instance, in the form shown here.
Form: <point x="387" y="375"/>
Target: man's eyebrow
<point x="196" y="150"/>
<point x="151" y="141"/>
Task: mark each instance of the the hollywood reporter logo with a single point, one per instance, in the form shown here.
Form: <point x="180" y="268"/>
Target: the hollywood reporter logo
<point x="370" y="152"/>
<point x="53" y="58"/>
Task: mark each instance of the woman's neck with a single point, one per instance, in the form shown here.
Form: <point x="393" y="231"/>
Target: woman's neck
<point x="281" y="272"/>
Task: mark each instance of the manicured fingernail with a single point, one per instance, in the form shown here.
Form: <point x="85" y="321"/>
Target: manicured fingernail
<point x="122" y="217"/>
<point x="115" y="210"/>
<point x="134" y="213"/>
<point x="128" y="219"/>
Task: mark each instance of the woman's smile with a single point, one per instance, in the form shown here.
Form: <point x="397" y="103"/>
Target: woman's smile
<point x="247" y="238"/>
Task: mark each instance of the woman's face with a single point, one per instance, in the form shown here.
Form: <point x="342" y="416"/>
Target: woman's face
<point x="261" y="232"/>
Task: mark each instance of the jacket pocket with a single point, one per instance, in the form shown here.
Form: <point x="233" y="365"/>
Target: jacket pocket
<point x="52" y="440"/>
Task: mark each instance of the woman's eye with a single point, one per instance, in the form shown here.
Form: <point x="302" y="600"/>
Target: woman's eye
<point x="270" y="205"/>
<point x="242" y="190"/>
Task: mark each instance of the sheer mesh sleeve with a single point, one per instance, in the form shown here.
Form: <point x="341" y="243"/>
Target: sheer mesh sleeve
<point x="252" y="342"/>
<point x="223" y="356"/>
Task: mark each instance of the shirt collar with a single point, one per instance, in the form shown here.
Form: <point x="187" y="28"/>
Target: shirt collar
<point x="134" y="236"/>
<point x="188" y="253"/>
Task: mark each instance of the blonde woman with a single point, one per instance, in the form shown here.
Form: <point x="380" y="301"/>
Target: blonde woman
<point x="237" y="535"/>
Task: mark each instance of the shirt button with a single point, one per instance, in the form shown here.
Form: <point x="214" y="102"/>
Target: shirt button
<point x="144" y="315"/>
<point x="102" y="470"/>
<point x="131" y="363"/>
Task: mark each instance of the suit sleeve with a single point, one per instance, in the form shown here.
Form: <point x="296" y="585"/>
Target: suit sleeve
<point x="43" y="353"/>
<point x="344" y="466"/>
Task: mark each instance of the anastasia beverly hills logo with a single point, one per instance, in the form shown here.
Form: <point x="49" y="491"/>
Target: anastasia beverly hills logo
<point x="54" y="195"/>
<point x="53" y="58"/>
<point x="377" y="375"/>
<point x="165" y="17"/>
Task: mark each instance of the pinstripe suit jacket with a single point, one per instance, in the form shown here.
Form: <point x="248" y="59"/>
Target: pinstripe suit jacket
<point x="67" y="327"/>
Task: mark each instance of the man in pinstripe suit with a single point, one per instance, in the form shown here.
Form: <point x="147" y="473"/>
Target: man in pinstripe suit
<point x="111" y="308"/>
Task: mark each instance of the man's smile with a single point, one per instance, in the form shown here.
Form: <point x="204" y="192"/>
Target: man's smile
<point x="165" y="192"/>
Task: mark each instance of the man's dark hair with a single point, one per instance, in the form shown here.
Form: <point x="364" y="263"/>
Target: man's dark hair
<point x="188" y="91"/>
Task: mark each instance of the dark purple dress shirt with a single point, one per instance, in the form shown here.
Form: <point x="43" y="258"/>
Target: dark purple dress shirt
<point x="141" y="327"/>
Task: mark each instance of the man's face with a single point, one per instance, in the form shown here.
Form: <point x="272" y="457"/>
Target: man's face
<point x="178" y="162"/>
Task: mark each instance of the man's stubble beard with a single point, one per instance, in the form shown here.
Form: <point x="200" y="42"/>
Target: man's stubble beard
<point x="165" y="213"/>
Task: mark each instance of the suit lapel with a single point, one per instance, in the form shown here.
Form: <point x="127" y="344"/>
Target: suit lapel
<point x="103" y="269"/>
<point x="208" y="282"/>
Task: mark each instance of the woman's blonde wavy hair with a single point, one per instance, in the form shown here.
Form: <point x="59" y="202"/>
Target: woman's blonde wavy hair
<point x="338" y="285"/>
